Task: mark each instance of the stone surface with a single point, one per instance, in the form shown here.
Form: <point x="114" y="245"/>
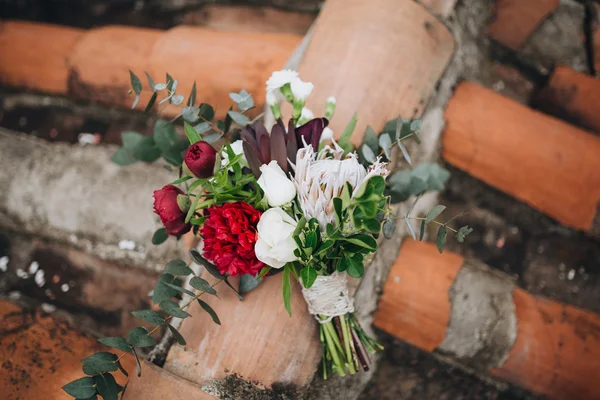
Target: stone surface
<point x="483" y="323"/>
<point x="77" y="195"/>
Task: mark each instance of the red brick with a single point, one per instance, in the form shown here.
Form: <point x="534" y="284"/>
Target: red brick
<point x="515" y="20"/>
<point x="40" y="354"/>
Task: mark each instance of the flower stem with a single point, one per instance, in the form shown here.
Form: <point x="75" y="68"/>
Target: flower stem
<point x="345" y="332"/>
<point x="332" y="349"/>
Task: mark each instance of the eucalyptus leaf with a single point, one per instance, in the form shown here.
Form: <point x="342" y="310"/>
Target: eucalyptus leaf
<point x="136" y="84"/>
<point x="434" y="212"/>
<point x="385" y="142"/>
<point x="178" y="267"/>
<point x="81" y="388"/>
<point x="159" y="236"/>
<point x="107" y="386"/>
<point x="99" y="363"/>
<point x="368" y="153"/>
<point x="210" y="311"/>
<point x="139" y="337"/>
<point x="201" y="284"/>
<point x="410" y="228"/>
<point x="404" y="151"/>
<point x="239" y="118"/>
<point x="198" y="259"/>
<point x="123" y="157"/>
<point x="389" y="227"/>
<point x="173" y="309"/>
<point x="178" y="337"/>
<point x="248" y="283"/>
<point x="116" y="342"/>
<point x="441" y="238"/>
<point x="151" y="316"/>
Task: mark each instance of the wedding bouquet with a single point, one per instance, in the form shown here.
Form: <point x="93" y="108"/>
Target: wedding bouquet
<point x="285" y="199"/>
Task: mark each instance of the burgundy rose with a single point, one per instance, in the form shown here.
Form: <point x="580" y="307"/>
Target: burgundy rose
<point x="167" y="208"/>
<point x="229" y="235"/>
<point x="200" y="158"/>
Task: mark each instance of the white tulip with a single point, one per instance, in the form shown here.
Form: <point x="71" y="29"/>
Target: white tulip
<point x="278" y="188"/>
<point x="237" y="148"/>
<point x="275" y="245"/>
<point x="301" y="90"/>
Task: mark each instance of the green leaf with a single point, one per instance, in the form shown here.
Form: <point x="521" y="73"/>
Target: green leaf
<point x="389" y="227"/>
<point x="150" y="81"/>
<point x="165" y="135"/>
<point x="183" y="201"/>
<point x="151" y="316"/>
<point x="264" y="271"/>
<point x="248" y="283"/>
<point x="180" y="289"/>
<point x="286" y="288"/>
<point x="410" y="228"/>
<point x="116" y="342"/>
<point x="362" y="240"/>
<point x="178" y="338"/>
<point x="355" y="267"/>
<point x="201" y="284"/>
<point x="344" y="141"/>
<point x="433" y="213"/>
<point x="309" y="276"/>
<point x="81" y="388"/>
<point x="136" y="84"/>
<point x="192" y="98"/>
<point x="161" y="291"/>
<point x="159" y="236"/>
<point x="371" y="225"/>
<point x="146" y="150"/>
<point x="326" y="245"/>
<point x="239" y="118"/>
<point x="463" y="233"/>
<point x="198" y="259"/>
<point x="139" y="337"/>
<point x="123" y="157"/>
<point x="137" y="362"/>
<point x="107" y="386"/>
<point x="131" y="139"/>
<point x="337" y="207"/>
<point x="404" y="152"/>
<point x="191" y="133"/>
<point x="173" y="309"/>
<point x="412" y="206"/>
<point x="368" y="154"/>
<point x="99" y="363"/>
<point x="151" y="103"/>
<point x="178" y="267"/>
<point x="441" y="238"/>
<point x="422" y="233"/>
<point x="210" y="311"/>
<point x="385" y="142"/>
<point x="207" y="112"/>
<point x="370" y="139"/>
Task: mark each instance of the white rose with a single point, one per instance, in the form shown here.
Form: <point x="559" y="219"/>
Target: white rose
<point x="275" y="245"/>
<point x="238" y="148"/>
<point x="278" y="188"/>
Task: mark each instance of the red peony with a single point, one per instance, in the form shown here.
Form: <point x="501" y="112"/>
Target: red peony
<point x="229" y="235"/>
<point x="167" y="208"/>
<point x="200" y="159"/>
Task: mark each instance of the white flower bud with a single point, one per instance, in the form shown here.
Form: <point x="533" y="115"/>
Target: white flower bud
<point x="280" y="78"/>
<point x="327" y="134"/>
<point x="301" y="90"/>
<point x="331" y="100"/>
<point x="278" y="188"/>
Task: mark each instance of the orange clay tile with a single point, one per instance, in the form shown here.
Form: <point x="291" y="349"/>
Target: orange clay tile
<point x="542" y="161"/>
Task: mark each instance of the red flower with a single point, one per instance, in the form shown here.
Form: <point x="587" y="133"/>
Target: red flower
<point x="172" y="217"/>
<point x="229" y="235"/>
<point x="200" y="159"/>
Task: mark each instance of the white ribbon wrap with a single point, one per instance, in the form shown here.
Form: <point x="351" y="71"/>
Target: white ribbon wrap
<point x="328" y="297"/>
